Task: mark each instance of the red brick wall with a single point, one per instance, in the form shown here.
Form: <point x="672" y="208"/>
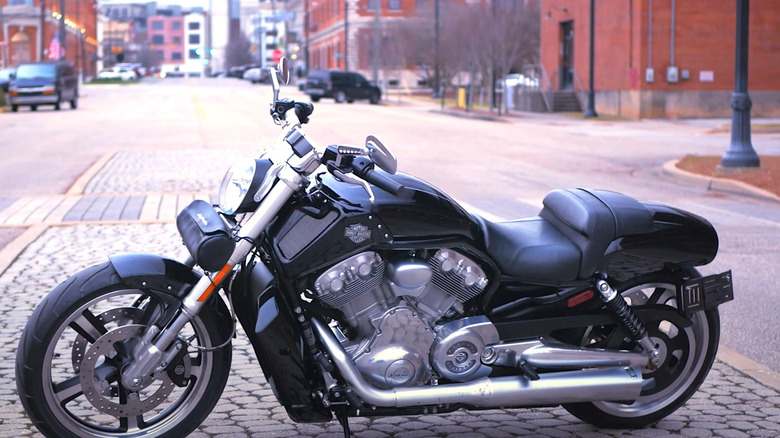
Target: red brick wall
<point x="704" y="44"/>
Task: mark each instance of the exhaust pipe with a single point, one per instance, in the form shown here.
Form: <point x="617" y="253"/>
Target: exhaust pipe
<point x="609" y="384"/>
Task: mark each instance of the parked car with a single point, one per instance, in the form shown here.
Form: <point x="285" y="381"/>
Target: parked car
<point x="44" y="83"/>
<point x="257" y="74"/>
<point x="6" y="74"/>
<point x="122" y="73"/>
<point x="341" y="86"/>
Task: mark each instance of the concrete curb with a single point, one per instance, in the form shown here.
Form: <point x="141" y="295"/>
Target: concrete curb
<point x="716" y="184"/>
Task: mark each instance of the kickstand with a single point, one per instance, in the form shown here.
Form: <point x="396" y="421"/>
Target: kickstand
<point x="344" y="420"/>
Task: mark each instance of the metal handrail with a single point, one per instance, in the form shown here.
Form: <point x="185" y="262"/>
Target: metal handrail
<point x="544" y="86"/>
<point x="581" y="95"/>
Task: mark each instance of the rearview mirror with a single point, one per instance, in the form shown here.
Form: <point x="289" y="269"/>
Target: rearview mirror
<point x="381" y="155"/>
<point x="283" y="69"/>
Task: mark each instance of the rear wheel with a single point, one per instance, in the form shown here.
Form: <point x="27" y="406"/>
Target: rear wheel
<point x="374" y="99"/>
<point x="70" y="357"/>
<point x="688" y="352"/>
<point x="315" y="98"/>
<point x="340" y="96"/>
<point x="14" y="108"/>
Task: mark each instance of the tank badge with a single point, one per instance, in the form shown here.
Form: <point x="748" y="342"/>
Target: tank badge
<point x="357" y="233"/>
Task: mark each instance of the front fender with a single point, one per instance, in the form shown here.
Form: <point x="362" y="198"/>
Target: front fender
<point x="150" y="271"/>
<point x="138" y="270"/>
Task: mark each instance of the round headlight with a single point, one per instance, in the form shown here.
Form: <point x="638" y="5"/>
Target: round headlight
<point x="240" y="185"/>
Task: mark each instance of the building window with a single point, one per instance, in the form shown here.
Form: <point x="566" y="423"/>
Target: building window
<point x="20" y="2"/>
<point x="372" y="4"/>
<point x="158" y="39"/>
<point x="194" y="39"/>
<point x="394" y="5"/>
<point x="193" y="54"/>
<point x="176" y="40"/>
<point x="193" y="26"/>
<point x="176" y="56"/>
<point x="157" y="25"/>
<point x="175" y="25"/>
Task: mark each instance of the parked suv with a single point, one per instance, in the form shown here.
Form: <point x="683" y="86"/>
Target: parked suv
<point x="341" y="86"/>
<point x="44" y="83"/>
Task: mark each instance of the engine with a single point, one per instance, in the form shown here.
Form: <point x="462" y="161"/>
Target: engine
<point x="390" y="310"/>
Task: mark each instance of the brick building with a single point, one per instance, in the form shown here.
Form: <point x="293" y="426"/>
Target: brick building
<point x="29" y="32"/>
<point x="659" y="59"/>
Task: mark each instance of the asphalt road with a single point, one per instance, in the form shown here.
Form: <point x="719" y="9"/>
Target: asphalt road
<point x="500" y="168"/>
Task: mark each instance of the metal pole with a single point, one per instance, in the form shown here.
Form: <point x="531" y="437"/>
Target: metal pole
<point x="378" y="5"/>
<point x="436" y="78"/>
<point x="43" y="23"/>
<point x="591" y="111"/>
<point x="741" y="152"/>
<point x="62" y="30"/>
<point x="346" y="35"/>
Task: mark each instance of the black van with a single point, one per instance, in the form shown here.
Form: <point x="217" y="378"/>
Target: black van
<point x="341" y="86"/>
<point x="44" y="83"/>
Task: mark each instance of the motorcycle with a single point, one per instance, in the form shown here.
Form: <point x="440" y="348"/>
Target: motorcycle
<point x="368" y="292"/>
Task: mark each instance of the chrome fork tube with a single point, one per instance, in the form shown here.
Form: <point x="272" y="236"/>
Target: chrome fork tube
<point x="149" y="353"/>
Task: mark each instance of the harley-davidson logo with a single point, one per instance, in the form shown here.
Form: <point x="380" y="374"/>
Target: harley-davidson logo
<point x="357" y="233"/>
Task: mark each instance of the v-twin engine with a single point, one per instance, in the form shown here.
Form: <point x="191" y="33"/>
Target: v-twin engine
<point x="390" y="310"/>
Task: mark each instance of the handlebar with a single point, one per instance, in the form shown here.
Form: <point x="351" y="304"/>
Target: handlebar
<point x="364" y="168"/>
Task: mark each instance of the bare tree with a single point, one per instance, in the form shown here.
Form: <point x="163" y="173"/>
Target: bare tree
<point x="476" y="40"/>
<point x="238" y="51"/>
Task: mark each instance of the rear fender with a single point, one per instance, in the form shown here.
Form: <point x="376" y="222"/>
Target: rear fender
<point x="154" y="272"/>
<point x="677" y="238"/>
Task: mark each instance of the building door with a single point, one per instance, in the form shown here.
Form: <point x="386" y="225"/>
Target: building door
<point x="566" y="68"/>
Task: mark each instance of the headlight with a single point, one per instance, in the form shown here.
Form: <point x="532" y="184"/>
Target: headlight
<point x="240" y="184"/>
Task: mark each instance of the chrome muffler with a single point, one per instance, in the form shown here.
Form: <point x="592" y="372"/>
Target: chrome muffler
<point x="608" y="384"/>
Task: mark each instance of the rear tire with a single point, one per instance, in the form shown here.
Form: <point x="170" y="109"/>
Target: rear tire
<point x="315" y="98"/>
<point x="688" y="354"/>
<point x="80" y="337"/>
<point x="14" y="108"/>
<point x="374" y="99"/>
<point x="340" y="96"/>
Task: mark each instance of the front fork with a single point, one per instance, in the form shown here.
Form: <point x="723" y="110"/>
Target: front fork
<point x="151" y="352"/>
<point x="630" y="321"/>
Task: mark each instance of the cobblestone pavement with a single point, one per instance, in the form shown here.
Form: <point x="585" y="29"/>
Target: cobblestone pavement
<point x="729" y="404"/>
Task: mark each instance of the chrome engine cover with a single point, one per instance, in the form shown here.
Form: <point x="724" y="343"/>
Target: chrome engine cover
<point x="391" y="309"/>
<point x="457" y="352"/>
<point x="397" y="352"/>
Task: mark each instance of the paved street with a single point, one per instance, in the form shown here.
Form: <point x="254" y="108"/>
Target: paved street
<point x="146" y="150"/>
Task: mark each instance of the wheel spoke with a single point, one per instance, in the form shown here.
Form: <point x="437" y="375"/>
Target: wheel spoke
<point x="89" y="326"/>
<point x="68" y="390"/>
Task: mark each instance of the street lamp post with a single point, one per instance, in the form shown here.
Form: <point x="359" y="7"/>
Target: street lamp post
<point x="436" y="78"/>
<point x="741" y="152"/>
<point x="591" y="111"/>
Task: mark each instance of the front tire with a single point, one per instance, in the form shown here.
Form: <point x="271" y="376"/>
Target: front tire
<point x="340" y="96"/>
<point x="688" y="353"/>
<point x="80" y="337"/>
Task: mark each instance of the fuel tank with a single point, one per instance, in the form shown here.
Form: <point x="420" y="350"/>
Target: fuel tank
<point x="338" y="220"/>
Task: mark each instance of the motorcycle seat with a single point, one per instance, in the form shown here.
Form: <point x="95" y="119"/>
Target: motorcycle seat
<point x="568" y="238"/>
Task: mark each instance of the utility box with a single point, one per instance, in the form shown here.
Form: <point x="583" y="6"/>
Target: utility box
<point x="672" y="74"/>
<point x="649" y="75"/>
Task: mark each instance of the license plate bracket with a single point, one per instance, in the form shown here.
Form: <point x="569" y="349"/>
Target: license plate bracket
<point x="705" y="293"/>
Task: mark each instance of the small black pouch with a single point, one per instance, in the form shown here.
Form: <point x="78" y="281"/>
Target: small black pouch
<point x="206" y="235"/>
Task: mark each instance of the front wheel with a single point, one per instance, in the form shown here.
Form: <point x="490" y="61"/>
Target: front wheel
<point x="75" y="344"/>
<point x="688" y="351"/>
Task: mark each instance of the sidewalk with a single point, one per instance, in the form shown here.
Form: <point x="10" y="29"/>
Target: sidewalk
<point x="109" y="210"/>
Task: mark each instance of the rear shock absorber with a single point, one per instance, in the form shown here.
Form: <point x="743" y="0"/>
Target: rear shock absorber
<point x="629" y="320"/>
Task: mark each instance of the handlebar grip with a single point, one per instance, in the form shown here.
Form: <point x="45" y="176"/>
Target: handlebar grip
<point x="383" y="181"/>
<point x="303" y="110"/>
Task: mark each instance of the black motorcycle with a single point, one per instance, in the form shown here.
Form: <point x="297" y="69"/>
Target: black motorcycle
<point x="367" y="292"/>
